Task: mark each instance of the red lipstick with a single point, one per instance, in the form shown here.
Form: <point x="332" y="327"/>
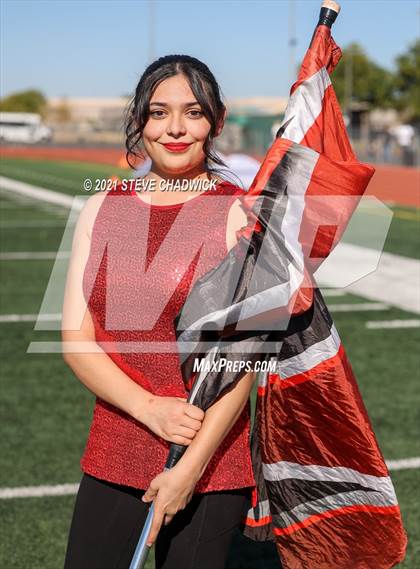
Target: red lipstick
<point x="177" y="146"/>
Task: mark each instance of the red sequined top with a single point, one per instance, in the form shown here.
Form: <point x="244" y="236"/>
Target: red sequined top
<point x="142" y="263"/>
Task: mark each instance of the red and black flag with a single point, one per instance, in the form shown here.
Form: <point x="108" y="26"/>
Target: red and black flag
<point x="324" y="493"/>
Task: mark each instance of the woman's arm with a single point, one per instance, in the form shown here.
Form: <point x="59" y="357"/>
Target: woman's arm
<point x="169" y="417"/>
<point x="218" y="421"/>
<point x="173" y="489"/>
<point x="93" y="367"/>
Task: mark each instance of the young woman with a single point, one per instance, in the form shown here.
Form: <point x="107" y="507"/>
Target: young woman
<point x="141" y="405"/>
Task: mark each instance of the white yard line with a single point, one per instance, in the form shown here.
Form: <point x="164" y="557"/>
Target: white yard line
<point x="383" y="277"/>
<point x="404" y="463"/>
<point x="38" y="491"/>
<point x="37" y="193"/>
<point x="358" y="306"/>
<point x="392" y="324"/>
<point x="28" y="317"/>
<point x="33" y="255"/>
<point x="14" y="205"/>
<point x="44" y="177"/>
<point x="332" y="292"/>
<point x="70" y="489"/>
<point x="31" y="224"/>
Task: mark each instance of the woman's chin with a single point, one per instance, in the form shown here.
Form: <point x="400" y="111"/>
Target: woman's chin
<point x="176" y="166"/>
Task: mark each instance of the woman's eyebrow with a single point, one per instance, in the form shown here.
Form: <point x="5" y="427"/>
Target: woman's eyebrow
<point x="166" y="104"/>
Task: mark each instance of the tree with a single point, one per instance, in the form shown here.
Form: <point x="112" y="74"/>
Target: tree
<point x="358" y="79"/>
<point x="30" y="101"/>
<point x="407" y="82"/>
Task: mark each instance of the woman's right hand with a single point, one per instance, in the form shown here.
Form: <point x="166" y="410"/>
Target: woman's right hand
<point x="173" y="419"/>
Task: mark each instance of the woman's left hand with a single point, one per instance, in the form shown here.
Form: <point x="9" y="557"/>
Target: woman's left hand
<point x="171" y="491"/>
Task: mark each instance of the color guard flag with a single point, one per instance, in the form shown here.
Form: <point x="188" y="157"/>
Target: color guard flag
<point x="324" y="494"/>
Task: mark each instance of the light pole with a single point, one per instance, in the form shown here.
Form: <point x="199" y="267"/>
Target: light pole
<point x="151" y="30"/>
<point x="292" y="42"/>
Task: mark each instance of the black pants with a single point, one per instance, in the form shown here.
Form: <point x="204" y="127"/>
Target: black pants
<point x="108" y="519"/>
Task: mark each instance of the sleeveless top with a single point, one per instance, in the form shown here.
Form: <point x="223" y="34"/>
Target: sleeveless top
<point x="143" y="261"/>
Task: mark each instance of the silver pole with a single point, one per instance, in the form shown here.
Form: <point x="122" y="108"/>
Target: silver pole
<point x="142" y="550"/>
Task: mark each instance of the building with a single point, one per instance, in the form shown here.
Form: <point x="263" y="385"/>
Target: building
<point x="248" y="128"/>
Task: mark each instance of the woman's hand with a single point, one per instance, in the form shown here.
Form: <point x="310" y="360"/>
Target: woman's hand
<point x="173" y="419"/>
<point x="170" y="491"/>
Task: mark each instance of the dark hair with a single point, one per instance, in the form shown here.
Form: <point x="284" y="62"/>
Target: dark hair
<point x="203" y="85"/>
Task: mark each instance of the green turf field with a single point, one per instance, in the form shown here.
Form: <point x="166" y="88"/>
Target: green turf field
<point x="46" y="411"/>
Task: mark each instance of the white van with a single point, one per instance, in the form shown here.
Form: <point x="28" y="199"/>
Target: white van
<point x="23" y="127"/>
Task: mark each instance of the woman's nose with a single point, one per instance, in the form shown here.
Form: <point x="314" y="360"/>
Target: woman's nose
<point x="176" y="126"/>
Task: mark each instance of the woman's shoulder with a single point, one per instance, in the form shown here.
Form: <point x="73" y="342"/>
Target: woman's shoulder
<point x="89" y="212"/>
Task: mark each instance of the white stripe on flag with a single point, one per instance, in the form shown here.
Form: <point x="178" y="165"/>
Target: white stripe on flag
<point x="306" y="104"/>
<point x="283" y="470"/>
<point x="312" y="356"/>
<point x="332" y="502"/>
<point x="262" y="510"/>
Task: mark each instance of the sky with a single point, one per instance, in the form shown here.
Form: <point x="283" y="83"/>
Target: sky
<point x="99" y="48"/>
